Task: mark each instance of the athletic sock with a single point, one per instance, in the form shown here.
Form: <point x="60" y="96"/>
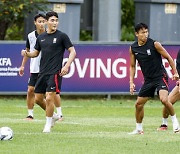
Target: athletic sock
<point x="48" y="122"/>
<point x="30" y="112"/>
<point x="139" y="126"/>
<point x="165" y="121"/>
<point x="59" y="111"/>
<point x="174" y="119"/>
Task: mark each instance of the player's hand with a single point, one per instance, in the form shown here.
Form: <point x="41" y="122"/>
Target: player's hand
<point x="64" y="71"/>
<point x="175" y="76"/>
<point x="132" y="88"/>
<point x="23" y="53"/>
<point x="21" y="71"/>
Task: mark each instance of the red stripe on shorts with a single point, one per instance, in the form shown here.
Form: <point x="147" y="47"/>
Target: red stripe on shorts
<point x="56" y="82"/>
<point x="165" y="82"/>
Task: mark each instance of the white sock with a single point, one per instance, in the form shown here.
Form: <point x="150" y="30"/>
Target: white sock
<point x="174" y="119"/>
<point x="30" y="112"/>
<point x="48" y="121"/>
<point x="165" y="121"/>
<point x="139" y="126"/>
<point x="59" y="111"/>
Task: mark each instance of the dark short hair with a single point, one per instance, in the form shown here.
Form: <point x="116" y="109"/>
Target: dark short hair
<point x="140" y="26"/>
<point x="39" y="15"/>
<point x="50" y="14"/>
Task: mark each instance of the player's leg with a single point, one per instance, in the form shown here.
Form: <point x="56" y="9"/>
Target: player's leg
<point x="50" y="96"/>
<point x="30" y="95"/>
<point x="57" y="102"/>
<point x="173" y="97"/>
<point x="147" y="90"/>
<point x="39" y="99"/>
<point x="30" y="102"/>
<point x="139" y="113"/>
<point x="163" y="95"/>
<point x="51" y="90"/>
<point x="58" y="98"/>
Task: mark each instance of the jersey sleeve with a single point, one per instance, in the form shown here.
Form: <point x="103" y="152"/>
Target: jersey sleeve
<point x="27" y="43"/>
<point x="37" y="45"/>
<point x="67" y="42"/>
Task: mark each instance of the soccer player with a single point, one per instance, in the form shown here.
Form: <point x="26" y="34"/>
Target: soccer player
<point x="51" y="44"/>
<point x="39" y="22"/>
<point x="173" y="97"/>
<point x="148" y="54"/>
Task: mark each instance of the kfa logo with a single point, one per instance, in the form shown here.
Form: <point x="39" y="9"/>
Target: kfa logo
<point x="54" y="40"/>
<point x="5" y="62"/>
<point x="149" y="52"/>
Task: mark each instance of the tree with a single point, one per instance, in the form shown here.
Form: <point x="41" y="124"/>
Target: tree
<point x="127" y="20"/>
<point x="14" y="11"/>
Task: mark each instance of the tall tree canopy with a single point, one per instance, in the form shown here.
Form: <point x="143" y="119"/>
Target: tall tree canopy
<point x="12" y="11"/>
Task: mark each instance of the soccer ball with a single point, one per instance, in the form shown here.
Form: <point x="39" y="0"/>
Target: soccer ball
<point x="6" y="133"/>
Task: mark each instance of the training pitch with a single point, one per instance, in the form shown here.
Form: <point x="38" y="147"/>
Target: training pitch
<point x="90" y="126"/>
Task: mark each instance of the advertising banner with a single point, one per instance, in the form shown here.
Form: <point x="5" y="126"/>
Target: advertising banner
<point x="98" y="68"/>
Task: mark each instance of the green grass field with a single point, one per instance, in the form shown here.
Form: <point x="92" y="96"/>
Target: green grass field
<point x="90" y="126"/>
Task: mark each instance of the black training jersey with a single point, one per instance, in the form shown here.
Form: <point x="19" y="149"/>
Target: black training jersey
<point x="149" y="59"/>
<point x="52" y="47"/>
<point x="178" y="62"/>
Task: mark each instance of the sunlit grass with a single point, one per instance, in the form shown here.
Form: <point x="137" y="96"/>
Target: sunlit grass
<point x="90" y="126"/>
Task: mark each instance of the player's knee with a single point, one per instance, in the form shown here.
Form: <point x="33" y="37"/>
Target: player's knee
<point x="139" y="105"/>
<point x="49" y="100"/>
<point x="164" y="100"/>
<point x="30" y="91"/>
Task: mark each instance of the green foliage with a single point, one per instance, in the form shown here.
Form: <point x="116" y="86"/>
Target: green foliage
<point x="85" y="35"/>
<point x="127" y="33"/>
<point x="127" y="20"/>
<point x="14" y="11"/>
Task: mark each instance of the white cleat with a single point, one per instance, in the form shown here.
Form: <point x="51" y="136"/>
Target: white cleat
<point x="176" y="127"/>
<point x="54" y="119"/>
<point x="46" y="129"/>
<point x="136" y="132"/>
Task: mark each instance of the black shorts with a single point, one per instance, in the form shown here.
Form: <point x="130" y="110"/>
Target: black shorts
<point x="33" y="79"/>
<point x="149" y="87"/>
<point x="48" y="83"/>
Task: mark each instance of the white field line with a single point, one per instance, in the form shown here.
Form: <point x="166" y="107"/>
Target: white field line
<point x="67" y="122"/>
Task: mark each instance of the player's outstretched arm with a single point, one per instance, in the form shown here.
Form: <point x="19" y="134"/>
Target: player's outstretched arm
<point x="166" y="55"/>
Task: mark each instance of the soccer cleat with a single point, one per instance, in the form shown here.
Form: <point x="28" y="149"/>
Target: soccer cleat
<point x="29" y="117"/>
<point x="136" y="132"/>
<point x="54" y="119"/>
<point x="60" y="118"/>
<point x="46" y="129"/>
<point x="163" y="127"/>
<point x="176" y="127"/>
<point x="177" y="131"/>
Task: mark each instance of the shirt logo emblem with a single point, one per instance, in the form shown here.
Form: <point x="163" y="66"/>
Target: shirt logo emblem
<point x="42" y="40"/>
<point x="52" y="88"/>
<point x="149" y="52"/>
<point x="54" y="40"/>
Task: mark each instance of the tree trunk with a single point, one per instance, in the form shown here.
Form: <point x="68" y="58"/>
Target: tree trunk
<point x="4" y="26"/>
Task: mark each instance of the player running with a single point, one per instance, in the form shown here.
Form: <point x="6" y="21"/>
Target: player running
<point x="51" y="44"/>
<point x="148" y="54"/>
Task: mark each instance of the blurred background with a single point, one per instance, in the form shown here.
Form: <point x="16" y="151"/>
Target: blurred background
<point x="94" y="20"/>
<point x="101" y="30"/>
